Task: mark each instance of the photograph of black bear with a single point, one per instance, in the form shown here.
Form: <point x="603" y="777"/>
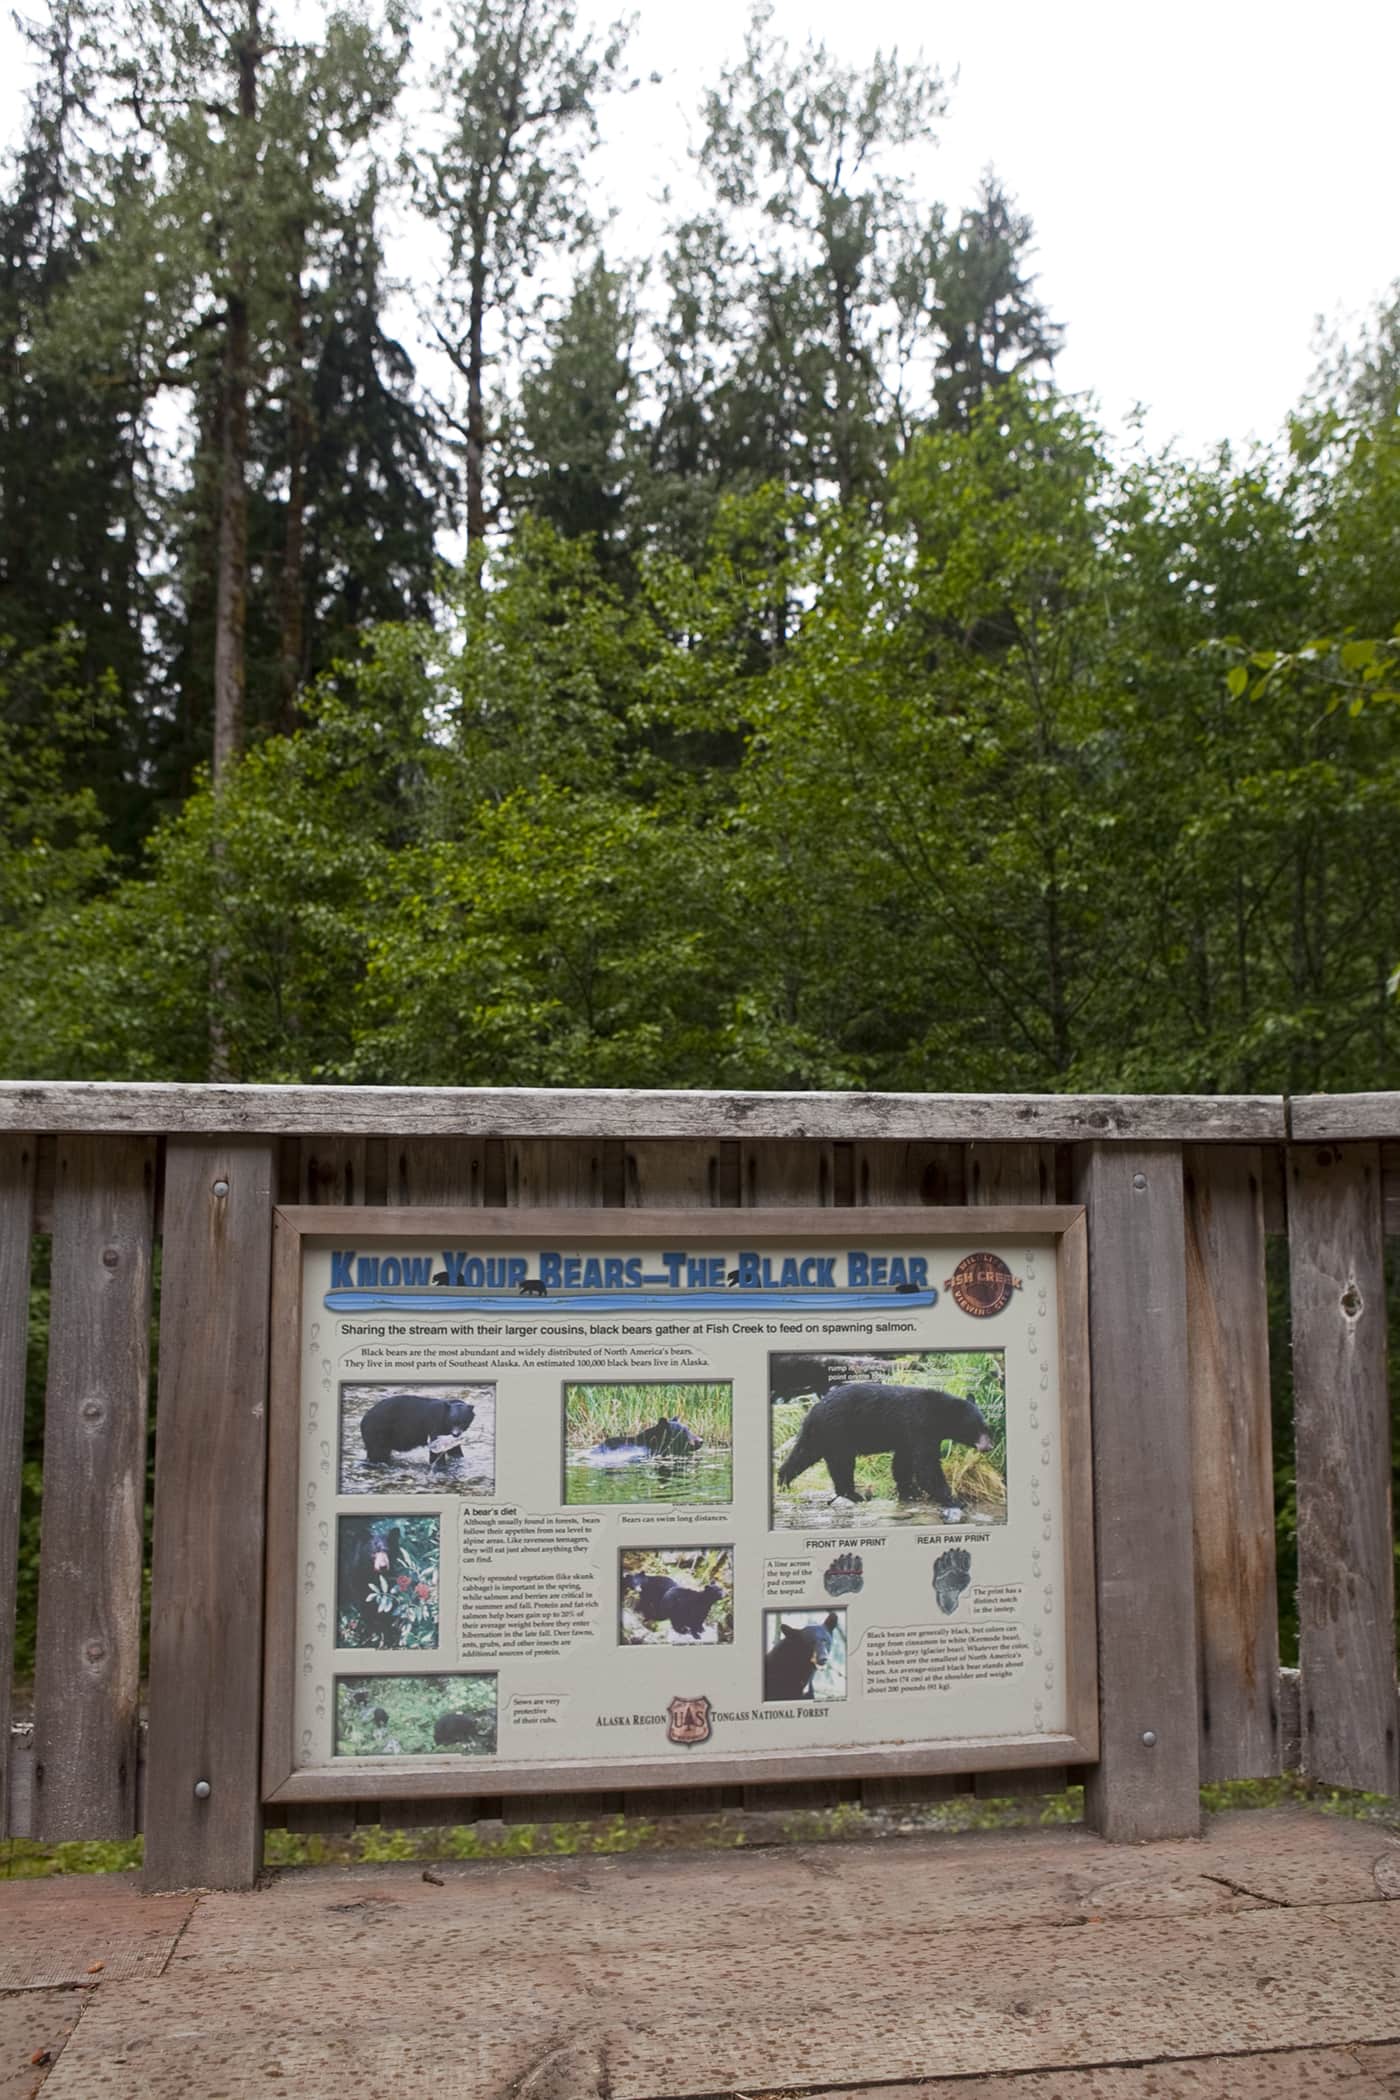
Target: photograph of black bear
<point x="386" y="1582"/>
<point x="805" y="1655"/>
<point x="423" y="1438"/>
<point x="917" y="1433"/>
<point x="648" y="1440"/>
<point x="682" y="1595"/>
<point x="429" y="1716"/>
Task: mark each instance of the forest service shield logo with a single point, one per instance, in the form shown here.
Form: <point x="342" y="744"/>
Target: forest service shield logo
<point x="689" y="1721"/>
<point x="982" y="1285"/>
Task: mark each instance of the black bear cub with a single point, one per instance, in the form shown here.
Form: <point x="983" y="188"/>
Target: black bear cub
<point x="790" y="1666"/>
<point x="403" y="1421"/>
<point x="377" y="1551"/>
<point x="911" y="1422"/>
<point x="659" y="1598"/>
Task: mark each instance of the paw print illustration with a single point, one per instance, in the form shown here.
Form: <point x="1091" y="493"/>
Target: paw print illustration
<point x="952" y="1572"/>
<point x="845" y="1575"/>
<point x="308" y="1580"/>
<point x="307" y="1655"/>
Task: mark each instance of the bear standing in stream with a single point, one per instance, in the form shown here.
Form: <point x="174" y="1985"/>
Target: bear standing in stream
<point x="403" y="1421"/>
<point x="911" y="1422"/>
<point x="667" y="1438"/>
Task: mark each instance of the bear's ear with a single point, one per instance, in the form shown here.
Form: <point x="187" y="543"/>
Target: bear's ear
<point x="832" y="1622"/>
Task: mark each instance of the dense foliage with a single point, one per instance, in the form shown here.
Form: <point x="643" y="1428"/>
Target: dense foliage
<point x="818" y="699"/>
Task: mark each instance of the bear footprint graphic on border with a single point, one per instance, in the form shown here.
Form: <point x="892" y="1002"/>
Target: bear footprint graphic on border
<point x="952" y="1572"/>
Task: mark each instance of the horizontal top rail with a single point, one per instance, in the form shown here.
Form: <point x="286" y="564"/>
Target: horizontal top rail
<point x="152" y="1108"/>
<point x="1341" y="1116"/>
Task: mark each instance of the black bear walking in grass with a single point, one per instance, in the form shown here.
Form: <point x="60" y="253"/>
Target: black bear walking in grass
<point x="911" y="1422"/>
<point x="403" y="1421"/>
<point x="659" y="1598"/>
<point x="788" y="1668"/>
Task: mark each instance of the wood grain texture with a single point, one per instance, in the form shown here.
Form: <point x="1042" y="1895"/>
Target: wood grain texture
<point x="675" y="1173"/>
<point x="283" y="1494"/>
<point x="1346" y="1588"/>
<point x="1390" y="1188"/>
<point x="437" y="1170"/>
<point x="1142" y="1495"/>
<point x="775" y="1172"/>
<point x="591" y="1114"/>
<point x="17" y="1162"/>
<point x="1232" y="1479"/>
<point x="564" y="1174"/>
<point x="1023" y="1173"/>
<point x="87" y="1677"/>
<point x="898" y="1172"/>
<point x="207" y="1572"/>
<point x="751" y="1228"/>
<point x="1317" y="1118"/>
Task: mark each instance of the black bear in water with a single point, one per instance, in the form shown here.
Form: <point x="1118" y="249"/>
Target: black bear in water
<point x="375" y="1552"/>
<point x="660" y="1598"/>
<point x="911" y="1422"/>
<point x="403" y="1421"/>
<point x="666" y="1438"/>
<point x="788" y="1668"/>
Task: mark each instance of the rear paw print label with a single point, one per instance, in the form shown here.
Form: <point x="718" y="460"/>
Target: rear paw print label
<point x="952" y="1572"/>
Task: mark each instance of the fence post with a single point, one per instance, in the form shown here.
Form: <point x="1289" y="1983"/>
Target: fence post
<point x="1232" y="1461"/>
<point x="1146" y="1784"/>
<point x="1346" y="1580"/>
<point x="16" y="1210"/>
<point x="211" y="1465"/>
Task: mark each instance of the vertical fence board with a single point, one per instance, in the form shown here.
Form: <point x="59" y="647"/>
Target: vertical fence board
<point x="87" y="1679"/>
<point x="1142" y="1494"/>
<point x="679" y="1172"/>
<point x="564" y="1173"/>
<point x="334" y="1170"/>
<point x="207" y="1588"/>
<point x="443" y="1171"/>
<point x="1010" y="1174"/>
<point x="1346" y="1596"/>
<point x="778" y="1171"/>
<point x="17" y="1157"/>
<point x="887" y="1172"/>
<point x="1232" y="1481"/>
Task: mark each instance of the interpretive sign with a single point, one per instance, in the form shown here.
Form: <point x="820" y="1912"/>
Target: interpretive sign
<point x="579" y="1499"/>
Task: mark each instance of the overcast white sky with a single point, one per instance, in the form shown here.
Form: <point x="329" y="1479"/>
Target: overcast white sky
<point x="1206" y="179"/>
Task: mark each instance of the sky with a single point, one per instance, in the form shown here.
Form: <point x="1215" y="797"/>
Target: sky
<point x="1207" y="181"/>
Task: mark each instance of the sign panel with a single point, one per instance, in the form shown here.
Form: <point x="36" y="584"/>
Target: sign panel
<point x="599" y="1499"/>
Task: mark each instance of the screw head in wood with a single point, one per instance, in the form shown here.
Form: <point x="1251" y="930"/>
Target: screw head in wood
<point x="220" y="1188"/>
<point x="202" y="1790"/>
<point x="1139" y="1181"/>
<point x="1149" y="1736"/>
<point x="110" y="1257"/>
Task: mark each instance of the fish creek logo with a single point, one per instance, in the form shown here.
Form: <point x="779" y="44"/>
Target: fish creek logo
<point x="688" y="1721"/>
<point x="982" y="1285"/>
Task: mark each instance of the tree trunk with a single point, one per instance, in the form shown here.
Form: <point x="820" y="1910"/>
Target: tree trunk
<point x="292" y="623"/>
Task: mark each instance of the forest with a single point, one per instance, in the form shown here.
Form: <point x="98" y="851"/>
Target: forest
<point x="741" y="668"/>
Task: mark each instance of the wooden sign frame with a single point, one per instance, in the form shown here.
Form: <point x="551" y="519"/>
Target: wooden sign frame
<point x="427" y="1778"/>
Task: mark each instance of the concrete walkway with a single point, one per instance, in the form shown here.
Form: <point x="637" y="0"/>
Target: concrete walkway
<point x="1260" y="1963"/>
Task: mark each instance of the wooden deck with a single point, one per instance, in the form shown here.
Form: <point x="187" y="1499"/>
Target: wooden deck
<point x="1261" y="1962"/>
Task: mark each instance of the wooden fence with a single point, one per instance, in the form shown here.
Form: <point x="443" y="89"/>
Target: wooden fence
<point x="1180" y="1193"/>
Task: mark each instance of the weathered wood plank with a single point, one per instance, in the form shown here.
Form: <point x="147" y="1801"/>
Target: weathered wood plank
<point x="679" y="1173"/>
<point x="1341" y="1118"/>
<point x="1232" y="1481"/>
<point x="437" y="1170"/>
<point x="521" y="1112"/>
<point x="775" y="1172"/>
<point x="899" y="1173"/>
<point x="17" y="1162"/>
<point x="564" y="1174"/>
<point x="1390" y="1188"/>
<point x="207" y="1574"/>
<point x="333" y="1169"/>
<point x="1146" y="1782"/>
<point x="89" y="1649"/>
<point x="1023" y="1173"/>
<point x="1346" y="1586"/>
